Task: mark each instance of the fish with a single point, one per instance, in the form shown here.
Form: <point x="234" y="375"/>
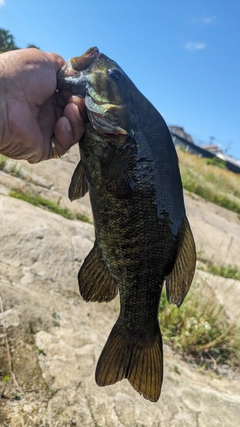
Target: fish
<point x="143" y="239"/>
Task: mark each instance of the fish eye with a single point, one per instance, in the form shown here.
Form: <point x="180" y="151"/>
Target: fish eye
<point x="115" y="74"/>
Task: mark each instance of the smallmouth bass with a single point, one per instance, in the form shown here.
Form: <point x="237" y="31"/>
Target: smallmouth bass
<point x="130" y="168"/>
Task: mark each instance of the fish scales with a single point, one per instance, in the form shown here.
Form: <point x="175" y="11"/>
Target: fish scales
<point x="128" y="237"/>
<point x="130" y="167"/>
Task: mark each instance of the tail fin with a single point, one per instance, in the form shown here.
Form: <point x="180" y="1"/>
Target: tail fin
<point x="127" y="355"/>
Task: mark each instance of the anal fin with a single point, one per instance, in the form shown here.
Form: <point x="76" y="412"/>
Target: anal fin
<point x="179" y="280"/>
<point x="95" y="282"/>
<point x="127" y="355"/>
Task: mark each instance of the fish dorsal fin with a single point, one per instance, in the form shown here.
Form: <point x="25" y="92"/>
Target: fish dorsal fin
<point x="179" y="280"/>
<point x="116" y="175"/>
<point x="78" y="186"/>
<point x="95" y="282"/>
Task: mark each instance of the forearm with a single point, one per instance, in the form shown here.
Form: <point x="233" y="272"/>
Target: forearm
<point x="3" y="103"/>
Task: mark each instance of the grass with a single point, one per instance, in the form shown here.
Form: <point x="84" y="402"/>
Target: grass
<point x="41" y="202"/>
<point x="3" y="162"/>
<point x="209" y="181"/>
<point x="82" y="217"/>
<point x="13" y="168"/>
<point x="200" y="331"/>
<point x="227" y="271"/>
<point x="57" y="318"/>
<point x="215" y="161"/>
<point x="40" y="351"/>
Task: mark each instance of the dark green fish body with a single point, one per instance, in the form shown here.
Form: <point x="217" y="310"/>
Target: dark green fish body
<point x="130" y="167"/>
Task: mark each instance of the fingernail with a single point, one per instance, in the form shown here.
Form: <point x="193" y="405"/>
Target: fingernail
<point x="68" y="127"/>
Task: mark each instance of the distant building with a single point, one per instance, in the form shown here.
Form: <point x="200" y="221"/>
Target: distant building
<point x="232" y="164"/>
<point x="212" y="148"/>
<point x="179" y="131"/>
<point x="181" y="138"/>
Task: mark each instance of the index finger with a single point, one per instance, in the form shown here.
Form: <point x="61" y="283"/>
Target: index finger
<point x="56" y="60"/>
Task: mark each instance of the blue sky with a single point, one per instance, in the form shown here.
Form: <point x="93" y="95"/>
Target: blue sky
<point x="184" y="55"/>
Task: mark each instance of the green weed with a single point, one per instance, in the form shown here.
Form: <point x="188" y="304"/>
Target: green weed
<point x="210" y="182"/>
<point x="229" y="271"/>
<point x="83" y="218"/>
<point x="206" y="189"/>
<point x="6" y="378"/>
<point x="15" y="170"/>
<point x="3" y="161"/>
<point x="41" y="202"/>
<point x="57" y="318"/>
<point x="176" y="369"/>
<point x="215" y="161"/>
<point x="200" y="330"/>
<point x="40" y="351"/>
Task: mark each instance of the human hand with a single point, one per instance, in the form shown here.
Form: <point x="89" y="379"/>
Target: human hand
<point x="31" y="111"/>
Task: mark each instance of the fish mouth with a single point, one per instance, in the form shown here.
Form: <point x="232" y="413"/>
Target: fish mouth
<point x="77" y="82"/>
<point x="73" y="81"/>
<point x="72" y="76"/>
<point x="76" y="76"/>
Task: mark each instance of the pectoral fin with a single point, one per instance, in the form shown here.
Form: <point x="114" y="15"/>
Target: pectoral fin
<point x="95" y="282"/>
<point x="179" y="280"/>
<point x="116" y="175"/>
<point x="78" y="186"/>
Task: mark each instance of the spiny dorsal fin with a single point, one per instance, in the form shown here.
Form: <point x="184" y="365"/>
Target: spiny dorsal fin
<point x="126" y="355"/>
<point x="179" y="280"/>
<point x="95" y="282"/>
<point x="78" y="186"/>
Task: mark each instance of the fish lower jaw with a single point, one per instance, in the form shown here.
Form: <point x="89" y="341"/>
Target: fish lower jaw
<point x="102" y="126"/>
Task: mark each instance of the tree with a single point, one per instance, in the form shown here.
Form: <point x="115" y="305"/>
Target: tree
<point x="32" y="45"/>
<point x="7" y="41"/>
